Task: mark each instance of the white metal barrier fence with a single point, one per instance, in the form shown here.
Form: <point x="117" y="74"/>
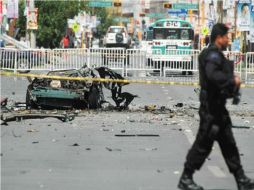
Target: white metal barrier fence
<point x="249" y="70"/>
<point x="181" y="60"/>
<point x="68" y="59"/>
<point x="238" y="59"/>
<point x="23" y="60"/>
<point x="136" y="60"/>
<point x="115" y="58"/>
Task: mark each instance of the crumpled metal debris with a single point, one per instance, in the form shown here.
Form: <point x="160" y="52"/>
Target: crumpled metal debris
<point x="137" y="135"/>
<point x="4" y="101"/>
<point x="241" y="127"/>
<point x="32" y="130"/>
<point x="179" y="105"/>
<point x="66" y="94"/>
<point x="197" y="91"/>
<point x="148" y="149"/>
<point x="75" y="144"/>
<point x="150" y="107"/>
<point x="113" y="149"/>
<point x="19" y="116"/>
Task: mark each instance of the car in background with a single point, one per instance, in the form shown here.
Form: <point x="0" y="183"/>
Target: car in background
<point x="117" y="36"/>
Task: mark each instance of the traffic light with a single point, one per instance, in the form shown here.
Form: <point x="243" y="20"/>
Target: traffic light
<point x="117" y="4"/>
<point x="167" y="5"/>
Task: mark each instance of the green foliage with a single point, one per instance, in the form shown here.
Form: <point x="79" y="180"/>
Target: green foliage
<point x="21" y="22"/>
<point x="106" y="21"/>
<point x="52" y="20"/>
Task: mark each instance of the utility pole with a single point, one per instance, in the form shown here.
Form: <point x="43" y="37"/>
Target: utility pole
<point x="220" y="10"/>
<point x="202" y="9"/>
<point x="235" y="16"/>
<point x="32" y="32"/>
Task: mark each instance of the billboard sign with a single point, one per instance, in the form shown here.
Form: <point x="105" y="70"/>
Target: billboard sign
<point x="243" y="15"/>
<point x="32" y="23"/>
<point x="12" y="9"/>
<point x="1" y="11"/>
<point x="252" y="25"/>
<point x="177" y="11"/>
<point x="100" y="4"/>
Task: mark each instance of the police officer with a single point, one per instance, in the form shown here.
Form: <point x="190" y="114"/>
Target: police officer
<point x="218" y="83"/>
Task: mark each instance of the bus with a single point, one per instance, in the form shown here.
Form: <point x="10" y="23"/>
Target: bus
<point x="171" y="34"/>
<point x="170" y="42"/>
<point x="147" y="41"/>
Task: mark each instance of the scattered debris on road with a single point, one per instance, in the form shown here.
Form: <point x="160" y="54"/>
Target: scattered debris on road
<point x="4" y="101"/>
<point x="149" y="149"/>
<point x="75" y="144"/>
<point x="179" y="105"/>
<point x="111" y="149"/>
<point x="19" y="116"/>
<point x="137" y="135"/>
<point x="159" y="171"/>
<point x="150" y="107"/>
<point x="241" y="127"/>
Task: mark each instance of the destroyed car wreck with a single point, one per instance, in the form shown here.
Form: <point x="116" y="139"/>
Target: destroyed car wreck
<point x="50" y="93"/>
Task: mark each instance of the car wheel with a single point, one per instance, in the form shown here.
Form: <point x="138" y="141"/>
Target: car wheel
<point x="29" y="102"/>
<point x="119" y="37"/>
<point x="94" y="98"/>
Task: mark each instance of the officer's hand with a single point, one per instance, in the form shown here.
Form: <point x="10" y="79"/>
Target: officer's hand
<point x="237" y="81"/>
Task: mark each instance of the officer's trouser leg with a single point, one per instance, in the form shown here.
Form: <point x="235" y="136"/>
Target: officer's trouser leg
<point x="201" y="147"/>
<point x="228" y="146"/>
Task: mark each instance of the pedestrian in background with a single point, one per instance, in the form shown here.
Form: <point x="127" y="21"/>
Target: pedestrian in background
<point x="218" y="83"/>
<point x="66" y="41"/>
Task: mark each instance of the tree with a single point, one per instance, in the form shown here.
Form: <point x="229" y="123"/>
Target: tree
<point x="21" y="21"/>
<point x="52" y="20"/>
<point x="105" y="21"/>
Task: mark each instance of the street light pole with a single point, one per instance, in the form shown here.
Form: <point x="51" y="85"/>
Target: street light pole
<point x="32" y="32"/>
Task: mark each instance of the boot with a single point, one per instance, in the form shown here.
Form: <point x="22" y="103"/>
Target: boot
<point x="186" y="182"/>
<point x="243" y="182"/>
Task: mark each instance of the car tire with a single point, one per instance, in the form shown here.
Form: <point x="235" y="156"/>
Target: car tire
<point x="94" y="98"/>
<point x="119" y="38"/>
<point x="29" y="102"/>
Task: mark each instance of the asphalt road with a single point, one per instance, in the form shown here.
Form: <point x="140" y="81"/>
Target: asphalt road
<point x="39" y="154"/>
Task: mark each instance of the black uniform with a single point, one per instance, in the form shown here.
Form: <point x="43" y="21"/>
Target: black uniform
<point x="217" y="84"/>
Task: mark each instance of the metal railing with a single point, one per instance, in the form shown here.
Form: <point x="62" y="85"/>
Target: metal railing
<point x="125" y="61"/>
<point x="238" y="59"/>
<point x="181" y="60"/>
<point x="114" y="58"/>
<point x="13" y="41"/>
<point x="249" y="70"/>
<point x="68" y="59"/>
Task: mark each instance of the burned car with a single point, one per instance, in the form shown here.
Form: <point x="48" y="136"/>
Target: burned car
<point x="77" y="94"/>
